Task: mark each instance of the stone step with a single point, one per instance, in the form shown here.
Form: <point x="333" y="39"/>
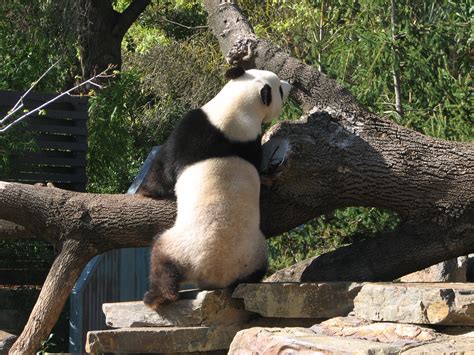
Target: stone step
<point x="417" y="303"/>
<point x="299" y="300"/>
<point x="160" y="339"/>
<point x="301" y="341"/>
<point x="349" y="335"/>
<point x="215" y="307"/>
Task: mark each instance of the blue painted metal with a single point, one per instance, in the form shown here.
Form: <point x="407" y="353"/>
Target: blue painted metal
<point x="118" y="275"/>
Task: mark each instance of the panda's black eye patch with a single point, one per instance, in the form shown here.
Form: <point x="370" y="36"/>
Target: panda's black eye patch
<point x="281" y="92"/>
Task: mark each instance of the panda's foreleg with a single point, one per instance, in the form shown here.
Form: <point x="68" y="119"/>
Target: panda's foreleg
<point x="165" y="277"/>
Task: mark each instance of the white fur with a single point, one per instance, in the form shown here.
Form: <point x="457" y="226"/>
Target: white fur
<point x="217" y="235"/>
<point x="238" y="111"/>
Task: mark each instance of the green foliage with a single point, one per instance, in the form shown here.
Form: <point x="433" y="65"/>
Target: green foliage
<point x="31" y="41"/>
<point x="27" y="32"/>
<point x="356" y="48"/>
<point x="187" y="74"/>
<point x="327" y="233"/>
<point x="13" y="142"/>
<point x="113" y="159"/>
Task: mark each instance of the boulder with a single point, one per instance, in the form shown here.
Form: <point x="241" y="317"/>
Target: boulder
<point x="295" y="300"/>
<point x="417" y="303"/>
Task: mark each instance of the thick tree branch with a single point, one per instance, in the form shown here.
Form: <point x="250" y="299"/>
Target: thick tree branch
<point x="129" y="15"/>
<point x="105" y="221"/>
<point x="311" y="88"/>
<point x="386" y="257"/>
<point x="344" y="156"/>
<point x="337" y="160"/>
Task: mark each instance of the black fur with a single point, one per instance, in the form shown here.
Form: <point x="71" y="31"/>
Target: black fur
<point x="165" y="276"/>
<point x="234" y="73"/>
<point x="194" y="139"/>
<point x="266" y="94"/>
<point x="254" y="277"/>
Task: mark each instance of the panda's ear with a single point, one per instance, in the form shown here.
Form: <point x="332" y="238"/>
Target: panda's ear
<point x="234" y="73"/>
<point x="266" y="94"/>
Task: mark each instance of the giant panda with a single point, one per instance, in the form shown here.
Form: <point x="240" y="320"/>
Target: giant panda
<point x="210" y="162"/>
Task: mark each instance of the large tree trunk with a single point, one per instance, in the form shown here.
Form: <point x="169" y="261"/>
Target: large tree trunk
<point x="342" y="155"/>
<point x="101" y="32"/>
<point x="338" y="155"/>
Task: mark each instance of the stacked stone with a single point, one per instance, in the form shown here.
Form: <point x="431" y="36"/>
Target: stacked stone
<point x="273" y="318"/>
<point x="386" y="318"/>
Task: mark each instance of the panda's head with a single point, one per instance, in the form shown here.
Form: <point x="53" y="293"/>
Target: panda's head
<point x="250" y="98"/>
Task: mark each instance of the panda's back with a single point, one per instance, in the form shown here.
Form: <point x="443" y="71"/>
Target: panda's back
<point x="219" y="191"/>
<point x="217" y="227"/>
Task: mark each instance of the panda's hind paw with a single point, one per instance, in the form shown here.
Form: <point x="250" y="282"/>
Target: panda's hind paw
<point x="155" y="300"/>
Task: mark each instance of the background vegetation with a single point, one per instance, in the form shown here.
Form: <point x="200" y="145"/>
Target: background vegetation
<point x="172" y="63"/>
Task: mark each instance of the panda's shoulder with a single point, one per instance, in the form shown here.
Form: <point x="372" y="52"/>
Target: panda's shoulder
<point x="192" y="119"/>
<point x="194" y="137"/>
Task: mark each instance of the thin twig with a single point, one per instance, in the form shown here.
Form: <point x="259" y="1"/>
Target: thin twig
<point x="101" y="75"/>
<point x="19" y="103"/>
<point x="184" y="26"/>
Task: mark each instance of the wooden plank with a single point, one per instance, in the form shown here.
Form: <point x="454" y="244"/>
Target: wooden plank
<point x="45" y="137"/>
<point x="76" y="131"/>
<point x="23" y="277"/>
<point x="24" y="168"/>
<point x="14" y="320"/>
<point x="79" y="161"/>
<point x="8" y="97"/>
<point x="38" y="177"/>
<point x="63" y="114"/>
<point x="33" y="263"/>
<point x="48" y="121"/>
<point x="53" y="154"/>
<point x="12" y="298"/>
<point x="63" y="145"/>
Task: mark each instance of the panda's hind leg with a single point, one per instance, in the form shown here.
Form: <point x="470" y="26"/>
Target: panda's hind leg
<point x="165" y="276"/>
<point x="254" y="277"/>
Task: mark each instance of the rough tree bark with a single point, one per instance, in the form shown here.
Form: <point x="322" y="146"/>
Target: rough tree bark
<point x="342" y="155"/>
<point x="101" y="30"/>
<point x="338" y="155"/>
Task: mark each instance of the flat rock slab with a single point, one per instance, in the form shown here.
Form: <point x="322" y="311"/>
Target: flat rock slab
<point x="207" y="308"/>
<point x="357" y="339"/>
<point x="160" y="339"/>
<point x="417" y="303"/>
<point x="299" y="300"/>
<point x="383" y="332"/>
<point x="273" y="341"/>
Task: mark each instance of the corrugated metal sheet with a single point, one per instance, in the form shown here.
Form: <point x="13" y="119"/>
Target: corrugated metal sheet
<point x="118" y="275"/>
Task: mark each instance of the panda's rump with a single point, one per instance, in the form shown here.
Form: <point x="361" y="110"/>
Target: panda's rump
<point x="217" y="236"/>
